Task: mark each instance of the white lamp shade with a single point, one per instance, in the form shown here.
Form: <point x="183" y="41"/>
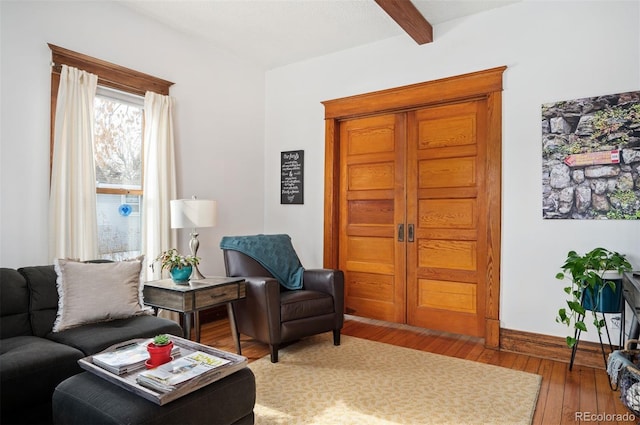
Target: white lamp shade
<point x="193" y="213"/>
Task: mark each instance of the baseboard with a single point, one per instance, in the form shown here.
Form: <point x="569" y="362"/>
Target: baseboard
<point x="551" y="347"/>
<point x="527" y="343"/>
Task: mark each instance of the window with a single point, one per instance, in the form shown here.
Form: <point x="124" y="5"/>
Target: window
<point x="118" y="156"/>
<point x="118" y="149"/>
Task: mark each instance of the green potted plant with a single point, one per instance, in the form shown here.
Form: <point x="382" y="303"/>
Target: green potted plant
<point x="595" y="286"/>
<point x="179" y="266"/>
<point x="159" y="350"/>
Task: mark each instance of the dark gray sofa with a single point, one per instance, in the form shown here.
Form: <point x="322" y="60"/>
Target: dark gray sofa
<point x="33" y="359"/>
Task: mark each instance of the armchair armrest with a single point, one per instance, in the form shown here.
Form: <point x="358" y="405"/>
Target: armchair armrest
<point x="330" y="281"/>
<point x="262" y="302"/>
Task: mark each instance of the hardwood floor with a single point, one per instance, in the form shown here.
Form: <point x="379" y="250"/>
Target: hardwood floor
<point x="564" y="395"/>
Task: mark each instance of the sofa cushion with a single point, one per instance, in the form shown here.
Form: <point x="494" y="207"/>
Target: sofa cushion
<point x="96" y="292"/>
<point x="43" y="299"/>
<point x="14" y="304"/>
<point x="95" y="337"/>
<point x="296" y="305"/>
<point x="30" y="369"/>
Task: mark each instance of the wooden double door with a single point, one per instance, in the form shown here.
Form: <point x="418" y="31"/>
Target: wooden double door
<point x="412" y="208"/>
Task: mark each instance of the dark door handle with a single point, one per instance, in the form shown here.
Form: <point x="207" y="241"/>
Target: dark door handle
<point x="400" y="232"/>
<point x="410" y="233"/>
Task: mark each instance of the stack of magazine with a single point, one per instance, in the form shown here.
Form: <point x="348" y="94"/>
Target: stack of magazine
<point x="127" y="358"/>
<point x="164" y="378"/>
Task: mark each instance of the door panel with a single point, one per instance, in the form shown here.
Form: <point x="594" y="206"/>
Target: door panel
<point x="447" y="295"/>
<point x="372" y="155"/>
<point x="447" y="254"/>
<point x="371" y="176"/>
<point x="371" y="286"/>
<point x="371" y="140"/>
<point x="453" y="172"/>
<point x="447" y="131"/>
<point x="373" y="211"/>
<point x="445" y="167"/>
<point x="447" y="213"/>
<point x="373" y="254"/>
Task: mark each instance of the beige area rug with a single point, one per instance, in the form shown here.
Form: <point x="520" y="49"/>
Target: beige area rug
<point x="366" y="382"/>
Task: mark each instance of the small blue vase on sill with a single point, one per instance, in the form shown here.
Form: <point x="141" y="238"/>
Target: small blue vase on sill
<point x="180" y="275"/>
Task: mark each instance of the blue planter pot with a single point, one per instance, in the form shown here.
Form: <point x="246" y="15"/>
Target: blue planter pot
<point x="605" y="301"/>
<point x="180" y="275"/>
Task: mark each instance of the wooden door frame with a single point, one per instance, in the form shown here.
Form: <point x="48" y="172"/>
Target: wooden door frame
<point x="485" y="84"/>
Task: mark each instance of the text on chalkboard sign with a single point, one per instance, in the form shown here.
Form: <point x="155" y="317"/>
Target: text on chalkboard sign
<point x="292" y="177"/>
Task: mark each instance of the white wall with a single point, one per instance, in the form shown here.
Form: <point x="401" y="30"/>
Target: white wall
<point x="553" y="51"/>
<point x="219" y="118"/>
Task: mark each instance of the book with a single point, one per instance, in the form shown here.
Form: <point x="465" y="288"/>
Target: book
<point x="127" y="358"/>
<point x="166" y="377"/>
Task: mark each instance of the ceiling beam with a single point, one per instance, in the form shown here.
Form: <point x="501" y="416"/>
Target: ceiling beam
<point x="409" y="18"/>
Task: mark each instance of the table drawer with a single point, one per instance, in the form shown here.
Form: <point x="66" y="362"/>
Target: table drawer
<point x="215" y="296"/>
<point x="169" y="300"/>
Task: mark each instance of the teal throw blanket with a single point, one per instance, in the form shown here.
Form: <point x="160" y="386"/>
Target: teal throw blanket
<point x="274" y="252"/>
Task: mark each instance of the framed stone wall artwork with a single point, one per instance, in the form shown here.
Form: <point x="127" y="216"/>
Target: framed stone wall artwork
<point x="591" y="158"/>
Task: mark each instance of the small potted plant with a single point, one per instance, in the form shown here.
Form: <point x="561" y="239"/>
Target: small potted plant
<point x="595" y="286"/>
<point x="179" y="266"/>
<point x="159" y="350"/>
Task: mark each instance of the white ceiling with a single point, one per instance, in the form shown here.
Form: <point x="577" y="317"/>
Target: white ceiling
<point x="273" y="33"/>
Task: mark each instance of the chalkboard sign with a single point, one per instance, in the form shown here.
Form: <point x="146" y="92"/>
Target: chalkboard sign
<point x="292" y="177"/>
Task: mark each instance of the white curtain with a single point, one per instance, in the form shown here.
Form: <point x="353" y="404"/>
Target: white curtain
<point x="73" y="229"/>
<point x="159" y="179"/>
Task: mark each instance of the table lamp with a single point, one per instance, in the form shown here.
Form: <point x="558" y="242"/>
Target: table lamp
<point x="193" y="213"/>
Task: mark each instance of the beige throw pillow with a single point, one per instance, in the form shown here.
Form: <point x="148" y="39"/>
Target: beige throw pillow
<point x="98" y="292"/>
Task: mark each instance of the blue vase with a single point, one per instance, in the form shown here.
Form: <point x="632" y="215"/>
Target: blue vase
<point x="180" y="275"/>
<point x="605" y="301"/>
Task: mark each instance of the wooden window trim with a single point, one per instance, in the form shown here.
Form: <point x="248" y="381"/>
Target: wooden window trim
<point x="109" y="74"/>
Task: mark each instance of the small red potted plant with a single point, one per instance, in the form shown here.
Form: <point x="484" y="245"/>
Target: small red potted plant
<point x="159" y="351"/>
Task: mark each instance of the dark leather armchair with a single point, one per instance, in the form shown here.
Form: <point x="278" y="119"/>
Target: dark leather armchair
<point x="273" y="314"/>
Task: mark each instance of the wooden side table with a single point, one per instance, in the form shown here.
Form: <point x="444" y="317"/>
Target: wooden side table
<point x="189" y="298"/>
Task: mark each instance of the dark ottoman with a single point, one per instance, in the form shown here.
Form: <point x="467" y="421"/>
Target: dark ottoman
<point x="88" y="399"/>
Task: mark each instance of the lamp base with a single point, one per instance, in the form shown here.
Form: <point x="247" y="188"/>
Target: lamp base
<point x="194" y="244"/>
<point x="195" y="274"/>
